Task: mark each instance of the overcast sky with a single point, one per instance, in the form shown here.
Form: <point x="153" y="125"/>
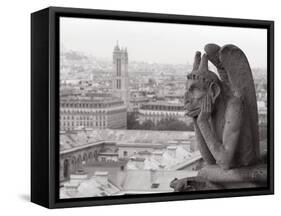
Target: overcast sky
<point x="158" y="42"/>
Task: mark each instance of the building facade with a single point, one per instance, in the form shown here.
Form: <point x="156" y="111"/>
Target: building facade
<point x="92" y="112"/>
<point x="155" y="111"/>
<point x="120" y="86"/>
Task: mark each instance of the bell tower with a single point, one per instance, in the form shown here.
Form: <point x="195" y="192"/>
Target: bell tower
<point x="120" y="74"/>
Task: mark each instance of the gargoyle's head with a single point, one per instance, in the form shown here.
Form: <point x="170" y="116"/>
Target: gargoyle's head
<point x="200" y="82"/>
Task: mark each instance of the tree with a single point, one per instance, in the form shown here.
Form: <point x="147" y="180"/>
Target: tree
<point x="151" y="82"/>
<point x="173" y="125"/>
<point x="132" y="120"/>
<point x="147" y="125"/>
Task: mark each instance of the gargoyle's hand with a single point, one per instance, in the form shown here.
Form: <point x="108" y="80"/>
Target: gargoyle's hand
<point x="206" y="108"/>
<point x="191" y="114"/>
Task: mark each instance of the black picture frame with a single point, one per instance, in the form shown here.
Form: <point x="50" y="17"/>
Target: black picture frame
<point x="45" y="105"/>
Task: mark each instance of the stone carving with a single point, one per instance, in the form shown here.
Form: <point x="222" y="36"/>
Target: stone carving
<point x="224" y="108"/>
<point x="193" y="184"/>
<point x="224" y="111"/>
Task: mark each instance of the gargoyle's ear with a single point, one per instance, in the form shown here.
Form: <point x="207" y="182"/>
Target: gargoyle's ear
<point x="215" y="91"/>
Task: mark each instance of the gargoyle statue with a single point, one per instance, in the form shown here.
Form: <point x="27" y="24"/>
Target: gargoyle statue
<point x="224" y="107"/>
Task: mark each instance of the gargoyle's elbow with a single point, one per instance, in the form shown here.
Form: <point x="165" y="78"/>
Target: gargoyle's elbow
<point x="225" y="165"/>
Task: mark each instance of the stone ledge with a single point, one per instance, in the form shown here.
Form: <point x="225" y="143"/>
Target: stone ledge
<point x="212" y="177"/>
<point x="193" y="184"/>
<point x="213" y="173"/>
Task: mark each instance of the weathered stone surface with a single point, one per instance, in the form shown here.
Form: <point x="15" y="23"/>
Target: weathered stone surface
<point x="255" y="174"/>
<point x="224" y="112"/>
<point x="213" y="177"/>
<point x="224" y="109"/>
<point x="193" y="184"/>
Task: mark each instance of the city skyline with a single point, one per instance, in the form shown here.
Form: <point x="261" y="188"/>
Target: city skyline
<point x="178" y="41"/>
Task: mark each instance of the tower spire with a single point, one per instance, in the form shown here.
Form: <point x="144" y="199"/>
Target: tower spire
<point x="116" y="48"/>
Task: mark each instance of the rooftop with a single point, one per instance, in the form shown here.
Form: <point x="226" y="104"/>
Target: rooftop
<point x="89" y="99"/>
<point x="88" y="188"/>
<point x="164" y="160"/>
<point x="163" y="103"/>
<point x="128" y="182"/>
<point x="84" y="138"/>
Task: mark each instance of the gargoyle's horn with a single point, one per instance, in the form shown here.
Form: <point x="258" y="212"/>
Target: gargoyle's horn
<point x="212" y="50"/>
<point x="204" y="63"/>
<point x="197" y="60"/>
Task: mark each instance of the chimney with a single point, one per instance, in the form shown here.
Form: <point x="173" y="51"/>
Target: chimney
<point x="78" y="177"/>
<point x="153" y="176"/>
<point x="75" y="181"/>
<point x="158" y="155"/>
<point x="172" y="151"/>
<point x="71" y="187"/>
<point x="188" y="147"/>
<point x="139" y="162"/>
<point x="102" y="177"/>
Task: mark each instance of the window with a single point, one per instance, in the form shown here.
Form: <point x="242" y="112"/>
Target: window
<point x="154" y="185"/>
<point x="125" y="153"/>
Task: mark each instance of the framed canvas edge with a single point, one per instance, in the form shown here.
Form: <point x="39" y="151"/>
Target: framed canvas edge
<point x="54" y="12"/>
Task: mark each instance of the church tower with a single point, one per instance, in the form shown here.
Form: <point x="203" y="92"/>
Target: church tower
<point x="120" y="74"/>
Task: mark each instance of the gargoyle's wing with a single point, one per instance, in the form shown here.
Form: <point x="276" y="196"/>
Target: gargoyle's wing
<point x="241" y="83"/>
<point x="238" y="71"/>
